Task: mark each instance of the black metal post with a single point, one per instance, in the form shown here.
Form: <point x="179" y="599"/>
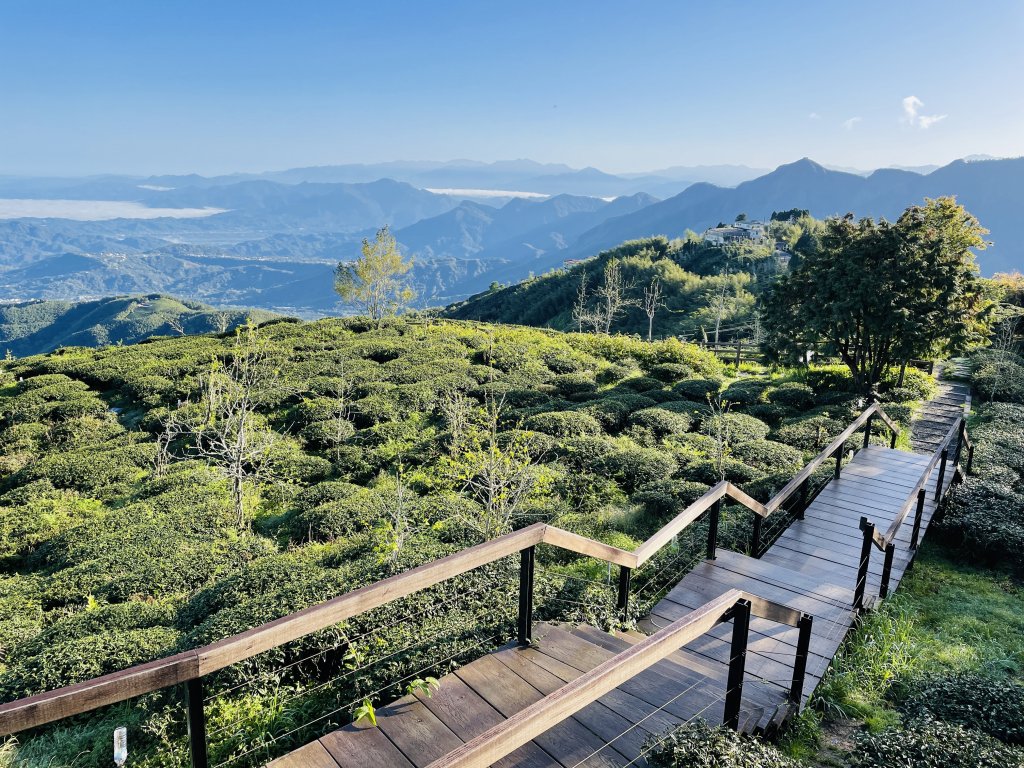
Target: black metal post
<point x="918" y="515"/>
<point x="623" y="602"/>
<point x="970" y="460"/>
<point x="883" y="589"/>
<point x="196" y="723"/>
<point x="526" y="568"/>
<point x="942" y="473"/>
<point x="893" y="438"/>
<point x="867" y="431"/>
<point x="959" y="441"/>
<point x="737" y="664"/>
<point x="865" y="560"/>
<point x="803" y="500"/>
<point x="803" y="649"/>
<point x="713" y="514"/>
<point x="755" y="537"/>
<point x="839" y="460"/>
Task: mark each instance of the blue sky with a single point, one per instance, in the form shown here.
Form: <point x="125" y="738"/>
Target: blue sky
<point x="220" y="86"/>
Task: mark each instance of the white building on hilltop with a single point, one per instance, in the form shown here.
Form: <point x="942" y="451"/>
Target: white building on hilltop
<point x="738" y="232"/>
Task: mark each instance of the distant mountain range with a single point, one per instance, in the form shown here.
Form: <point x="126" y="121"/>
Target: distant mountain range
<point x="278" y="240"/>
<point x="35" y="327"/>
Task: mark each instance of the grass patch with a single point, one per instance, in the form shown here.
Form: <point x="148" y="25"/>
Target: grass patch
<point x="946" y="617"/>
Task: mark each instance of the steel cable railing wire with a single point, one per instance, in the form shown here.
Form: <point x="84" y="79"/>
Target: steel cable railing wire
<point x="266" y="747"/>
<point x="351" y="640"/>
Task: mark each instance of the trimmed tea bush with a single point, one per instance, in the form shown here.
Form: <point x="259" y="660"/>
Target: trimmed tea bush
<point x="564" y="424"/>
<point x="699" y="745"/>
<point x="934" y="744"/>
<point x="980" y="702"/>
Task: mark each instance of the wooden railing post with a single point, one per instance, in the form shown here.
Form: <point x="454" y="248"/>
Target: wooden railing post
<point x="803" y="649"/>
<point x="803" y="499"/>
<point x="527" y="563"/>
<point x="918" y="515"/>
<point x="942" y="474"/>
<point x="737" y="664"/>
<point x="883" y="589"/>
<point x="713" y="515"/>
<point x="755" y="536"/>
<point x="893" y="438"/>
<point x="865" y="559"/>
<point x="867" y="431"/>
<point x="839" y="460"/>
<point x="622" y="604"/>
<point x="970" y="460"/>
<point x="196" y="723"/>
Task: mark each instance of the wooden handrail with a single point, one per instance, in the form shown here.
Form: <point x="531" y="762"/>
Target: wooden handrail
<point x="57" y="704"/>
<point x="890" y="534"/>
<point x="791" y="487"/>
<point x="527" y="724"/>
<point x="145" y="678"/>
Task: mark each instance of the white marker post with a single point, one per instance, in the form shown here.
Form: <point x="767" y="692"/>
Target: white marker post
<point x="120" y="746"/>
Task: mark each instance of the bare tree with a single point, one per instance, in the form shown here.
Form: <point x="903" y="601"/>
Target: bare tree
<point x="720" y="432"/>
<point x="580" y="313"/>
<point x="176" y="325"/>
<point x="613" y="295"/>
<point x="498" y="474"/>
<point x="226" y="428"/>
<point x="1003" y="345"/>
<point x="456" y="410"/>
<point x="222" y="321"/>
<point x="653" y="301"/>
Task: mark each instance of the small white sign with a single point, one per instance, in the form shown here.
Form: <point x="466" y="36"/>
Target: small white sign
<point x="120" y="746"/>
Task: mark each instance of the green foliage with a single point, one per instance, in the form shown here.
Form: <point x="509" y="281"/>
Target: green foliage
<point x="986" y="519"/>
<point x="564" y="424"/>
<point x="977" y="701"/>
<point x="699" y="745"/>
<point x="375" y="281"/>
<point x="934" y="744"/>
<point x="880" y="294"/>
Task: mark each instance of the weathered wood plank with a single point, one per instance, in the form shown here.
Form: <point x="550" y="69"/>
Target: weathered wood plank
<point x="312" y="755"/>
<point x="353" y="747"/>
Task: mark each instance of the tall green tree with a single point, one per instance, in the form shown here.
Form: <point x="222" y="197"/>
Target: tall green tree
<point x="879" y="293"/>
<point x="376" y="281"/>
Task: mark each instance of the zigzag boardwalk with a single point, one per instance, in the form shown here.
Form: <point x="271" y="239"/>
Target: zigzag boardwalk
<point x="741" y="640"/>
<point x="813" y="567"/>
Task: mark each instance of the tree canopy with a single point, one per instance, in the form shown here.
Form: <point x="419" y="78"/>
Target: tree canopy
<point x="880" y="293"/>
<point x="376" y="280"/>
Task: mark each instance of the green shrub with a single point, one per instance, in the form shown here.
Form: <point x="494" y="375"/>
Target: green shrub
<point x="737" y="428"/>
<point x="976" y="701"/>
<point x="811" y="433"/>
<point x="986" y="520"/>
<point x="633" y="467"/>
<point x="697" y="389"/>
<point x="344" y="515"/>
<point x="746" y="391"/>
<point x="671" y="372"/>
<point x="613" y="412"/>
<point x="567" y="384"/>
<point x="564" y="424"/>
<point x="769" y="413"/>
<point x="1000" y="381"/>
<point x="920" y="384"/>
<point x="828" y="378"/>
<point x="792" y="394"/>
<point x="661" y="422"/>
<point x="75" y="660"/>
<point x="699" y="745"/>
<point x="769" y="456"/>
<point x="585" y="451"/>
<point x="667" y="498"/>
<point x="933" y="744"/>
<point x="641" y="384"/>
<point x="709" y="472"/>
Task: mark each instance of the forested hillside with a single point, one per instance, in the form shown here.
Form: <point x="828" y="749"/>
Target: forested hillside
<point x="131" y="529"/>
<point x="701" y="287"/>
<point x="35" y="327"/>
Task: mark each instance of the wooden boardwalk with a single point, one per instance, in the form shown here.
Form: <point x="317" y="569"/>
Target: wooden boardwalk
<point x="811" y="568"/>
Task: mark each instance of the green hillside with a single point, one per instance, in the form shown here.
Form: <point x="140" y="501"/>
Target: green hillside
<point x="122" y="538"/>
<point x="702" y="285"/>
<point x="35" y="327"/>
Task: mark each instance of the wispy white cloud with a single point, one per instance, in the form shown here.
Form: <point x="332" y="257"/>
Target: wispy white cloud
<point x="814" y="116"/>
<point x="912" y="114"/>
<point x="849" y="124"/>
